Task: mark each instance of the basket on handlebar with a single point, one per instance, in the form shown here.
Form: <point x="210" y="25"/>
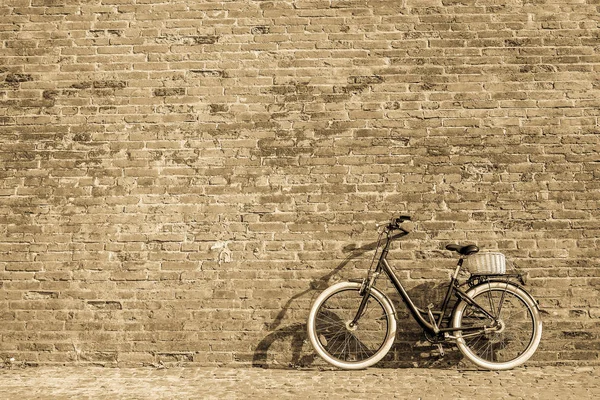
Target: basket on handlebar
<point x="487" y="264"/>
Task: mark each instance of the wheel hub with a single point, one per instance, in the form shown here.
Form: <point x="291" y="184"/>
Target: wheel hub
<point x="351" y="327"/>
<point x="501" y="326"/>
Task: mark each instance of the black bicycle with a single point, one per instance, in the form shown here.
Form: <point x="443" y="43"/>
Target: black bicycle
<point x="495" y="322"/>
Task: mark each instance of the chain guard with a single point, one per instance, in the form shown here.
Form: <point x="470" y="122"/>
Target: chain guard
<point x="434" y="339"/>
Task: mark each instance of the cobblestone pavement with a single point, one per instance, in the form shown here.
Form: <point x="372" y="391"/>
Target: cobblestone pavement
<point x="252" y="383"/>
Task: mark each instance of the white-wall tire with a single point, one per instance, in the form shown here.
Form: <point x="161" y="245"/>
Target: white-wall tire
<point x="351" y="289"/>
<point x="468" y="346"/>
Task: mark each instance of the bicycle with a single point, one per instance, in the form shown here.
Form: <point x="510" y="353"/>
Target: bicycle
<point x="495" y="322"/>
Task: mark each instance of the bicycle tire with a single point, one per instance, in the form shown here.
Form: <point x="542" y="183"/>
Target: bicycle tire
<point x="353" y="348"/>
<point x="520" y="332"/>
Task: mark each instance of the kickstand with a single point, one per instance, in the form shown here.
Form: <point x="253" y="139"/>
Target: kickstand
<point x="441" y="349"/>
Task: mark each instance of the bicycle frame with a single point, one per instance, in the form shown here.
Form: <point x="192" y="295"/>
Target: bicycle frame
<point x="433" y="325"/>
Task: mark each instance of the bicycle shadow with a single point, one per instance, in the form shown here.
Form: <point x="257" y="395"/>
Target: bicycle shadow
<point x="296" y="333"/>
<point x="289" y="347"/>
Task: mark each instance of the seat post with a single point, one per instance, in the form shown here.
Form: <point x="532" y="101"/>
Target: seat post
<point x="453" y="281"/>
<point x="458" y="267"/>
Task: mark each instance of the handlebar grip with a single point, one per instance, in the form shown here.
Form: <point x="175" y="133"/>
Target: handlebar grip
<point x="395" y="224"/>
<point x="402" y="218"/>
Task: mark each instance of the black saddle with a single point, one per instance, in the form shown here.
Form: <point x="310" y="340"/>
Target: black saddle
<point x="464" y="250"/>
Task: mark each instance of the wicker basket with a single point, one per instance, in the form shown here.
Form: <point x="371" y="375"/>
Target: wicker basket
<point x="487" y="264"/>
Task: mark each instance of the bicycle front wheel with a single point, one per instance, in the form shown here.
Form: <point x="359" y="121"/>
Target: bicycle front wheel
<point x="517" y="332"/>
<point x="345" y="346"/>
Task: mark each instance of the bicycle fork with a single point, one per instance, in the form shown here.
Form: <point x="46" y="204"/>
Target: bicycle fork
<point x="364" y="291"/>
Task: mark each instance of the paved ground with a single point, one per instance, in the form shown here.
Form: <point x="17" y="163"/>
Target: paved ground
<point x="253" y="383"/>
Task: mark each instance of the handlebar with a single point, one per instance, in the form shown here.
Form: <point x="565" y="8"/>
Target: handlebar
<point x="395" y="224"/>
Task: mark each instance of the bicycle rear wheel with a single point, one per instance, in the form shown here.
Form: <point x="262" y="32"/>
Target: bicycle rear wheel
<point x="519" y="326"/>
<point x="355" y="347"/>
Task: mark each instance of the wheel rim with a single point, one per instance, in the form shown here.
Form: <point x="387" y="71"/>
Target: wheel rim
<point x="346" y="343"/>
<point x="515" y="327"/>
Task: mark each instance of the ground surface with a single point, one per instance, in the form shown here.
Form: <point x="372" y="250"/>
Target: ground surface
<point x="225" y="383"/>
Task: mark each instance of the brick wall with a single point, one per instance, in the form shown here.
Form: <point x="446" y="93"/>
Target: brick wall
<point x="178" y="179"/>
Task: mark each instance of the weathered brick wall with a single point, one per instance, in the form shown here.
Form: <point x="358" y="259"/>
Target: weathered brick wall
<point x="179" y="178"/>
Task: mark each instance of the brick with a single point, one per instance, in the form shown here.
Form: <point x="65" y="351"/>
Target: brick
<point x="133" y="144"/>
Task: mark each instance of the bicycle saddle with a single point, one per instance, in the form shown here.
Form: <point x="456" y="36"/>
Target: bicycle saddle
<point x="464" y="250"/>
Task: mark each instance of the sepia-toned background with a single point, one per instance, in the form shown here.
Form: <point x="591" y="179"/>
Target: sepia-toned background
<point x="180" y="179"/>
